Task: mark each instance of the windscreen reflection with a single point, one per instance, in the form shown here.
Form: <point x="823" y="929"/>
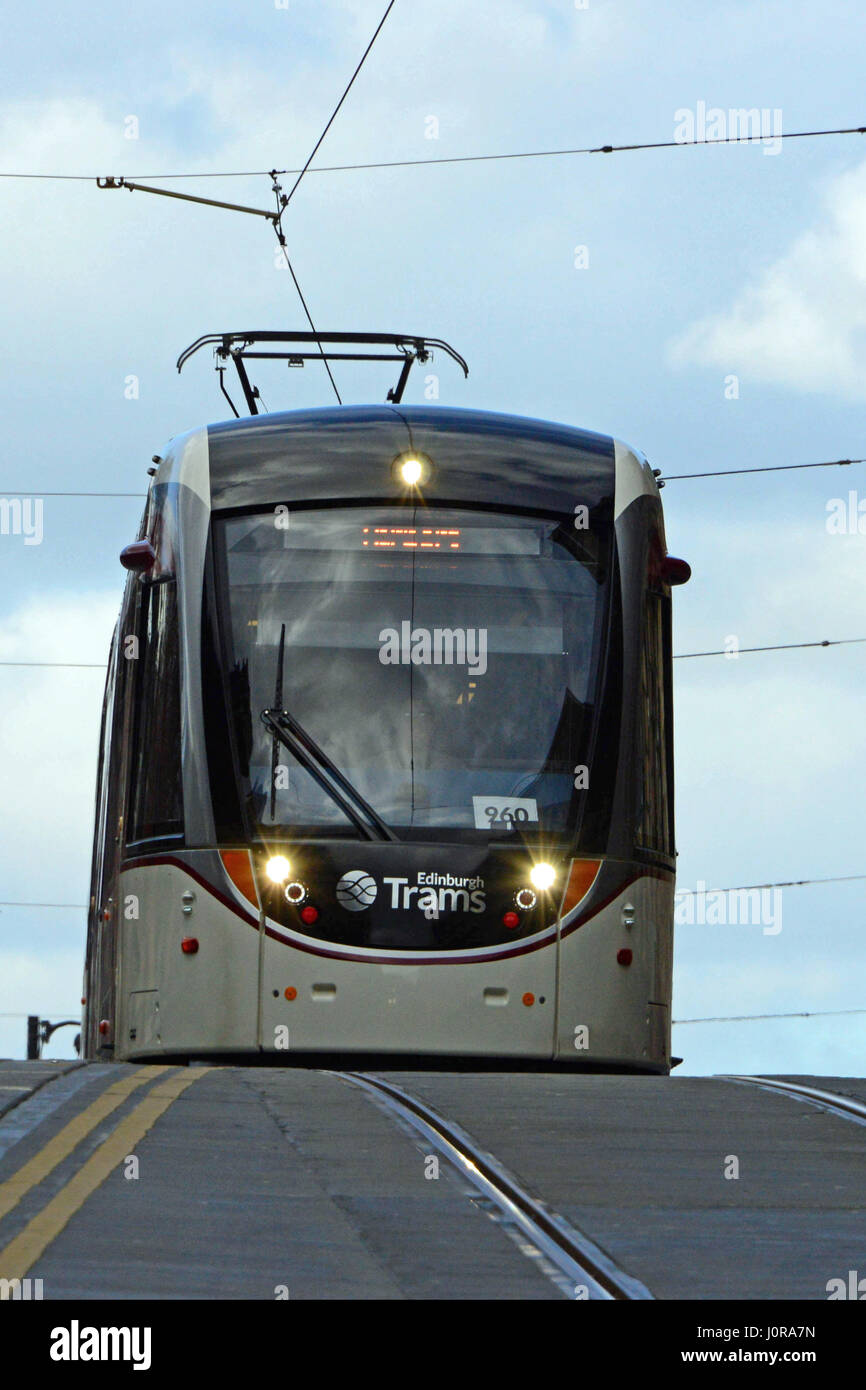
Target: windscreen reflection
<point x="445" y="661"/>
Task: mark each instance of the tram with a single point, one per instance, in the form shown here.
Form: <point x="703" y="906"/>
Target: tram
<point x="386" y="752"/>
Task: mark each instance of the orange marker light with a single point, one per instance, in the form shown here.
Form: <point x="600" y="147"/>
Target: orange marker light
<point x="291" y="993"/>
<point x="189" y="945"/>
<point x="583" y="874"/>
<point x="529" y="1000"/>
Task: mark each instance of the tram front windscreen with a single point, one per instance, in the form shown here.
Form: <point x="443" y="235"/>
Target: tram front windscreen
<point x="443" y="662"/>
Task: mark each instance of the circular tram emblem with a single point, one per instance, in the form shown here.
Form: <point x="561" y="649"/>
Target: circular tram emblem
<point x="356" y="890"/>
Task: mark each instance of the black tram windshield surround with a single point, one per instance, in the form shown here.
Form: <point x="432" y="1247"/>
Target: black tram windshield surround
<point x="445" y="662"/>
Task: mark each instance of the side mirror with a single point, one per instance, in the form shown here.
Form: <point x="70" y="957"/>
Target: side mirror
<point x="675" y="571"/>
<point x="139" y="556"/>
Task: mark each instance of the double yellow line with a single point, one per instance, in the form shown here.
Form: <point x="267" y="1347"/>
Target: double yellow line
<point x="22" y="1252"/>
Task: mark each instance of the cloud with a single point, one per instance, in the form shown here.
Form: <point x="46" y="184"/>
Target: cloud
<point x="48" y="751"/>
<point x="48" y="985"/>
<point x="48" y="742"/>
<point x="802" y="323"/>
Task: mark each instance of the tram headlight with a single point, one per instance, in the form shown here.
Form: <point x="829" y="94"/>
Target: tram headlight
<point x="278" y="868"/>
<point x="542" y="877"/>
<point x="412" y="469"/>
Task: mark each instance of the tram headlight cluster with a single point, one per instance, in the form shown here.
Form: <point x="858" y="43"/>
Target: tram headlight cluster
<point x="542" y="877"/>
<point x="278" y="868"/>
<point x="525" y="899"/>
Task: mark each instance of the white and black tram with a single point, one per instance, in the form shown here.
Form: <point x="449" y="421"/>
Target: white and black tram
<point x="386" y="752"/>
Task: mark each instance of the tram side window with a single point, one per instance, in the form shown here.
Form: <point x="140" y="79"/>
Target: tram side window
<point x="156" y="799"/>
<point x="654" y="821"/>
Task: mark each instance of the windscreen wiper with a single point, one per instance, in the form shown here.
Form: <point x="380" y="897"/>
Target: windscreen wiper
<point x="278" y="700"/>
<point x="286" y="728"/>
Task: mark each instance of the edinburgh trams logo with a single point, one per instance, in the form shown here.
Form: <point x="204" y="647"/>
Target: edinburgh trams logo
<point x="356" y="890"/>
<point x="432" y="892"/>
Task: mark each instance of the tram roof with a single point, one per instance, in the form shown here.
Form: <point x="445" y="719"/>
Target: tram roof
<point x="347" y="452"/>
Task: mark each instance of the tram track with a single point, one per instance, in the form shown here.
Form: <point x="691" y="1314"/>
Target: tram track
<point x="845" y="1107"/>
<point x="582" y="1269"/>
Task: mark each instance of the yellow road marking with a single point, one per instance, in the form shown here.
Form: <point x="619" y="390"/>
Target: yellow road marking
<point x="38" y="1234"/>
<point x="61" y="1146"/>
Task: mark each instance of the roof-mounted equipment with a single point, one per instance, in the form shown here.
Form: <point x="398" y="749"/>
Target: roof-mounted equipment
<point x="239" y="348"/>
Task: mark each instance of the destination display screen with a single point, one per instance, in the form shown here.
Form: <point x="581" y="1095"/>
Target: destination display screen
<point x="304" y="530"/>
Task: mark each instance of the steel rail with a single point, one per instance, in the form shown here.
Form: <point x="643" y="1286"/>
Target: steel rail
<point x="569" y="1250"/>
<point x="845" y="1107"/>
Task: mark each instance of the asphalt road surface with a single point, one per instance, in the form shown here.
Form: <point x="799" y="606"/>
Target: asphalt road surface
<point x="121" y="1181"/>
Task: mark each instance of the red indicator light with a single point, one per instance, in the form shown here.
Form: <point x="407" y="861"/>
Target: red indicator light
<point x="104" y="1026"/>
<point x="309" y="914"/>
<point x="528" y="1000"/>
<point x="676" y="571"/>
<point x="189" y="945"/>
<point x="291" y="993"/>
<point x="138" y="556"/>
<point x="624" y="957"/>
<point x="511" y="920"/>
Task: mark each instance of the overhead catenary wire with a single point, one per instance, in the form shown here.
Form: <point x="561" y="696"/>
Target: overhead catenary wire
<point x="75" y="907"/>
<point x="297" y="286"/>
<point x="784" y="883"/>
<point x="333" y="114"/>
<point x="749" y="1018"/>
<point x="284" y="200"/>
<point x="779" y="647"/>
<point x="770" y="468"/>
<point x="463" y="159"/>
<point x="273" y="217"/>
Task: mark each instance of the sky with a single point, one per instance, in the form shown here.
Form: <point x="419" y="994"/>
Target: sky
<point x="708" y="305"/>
